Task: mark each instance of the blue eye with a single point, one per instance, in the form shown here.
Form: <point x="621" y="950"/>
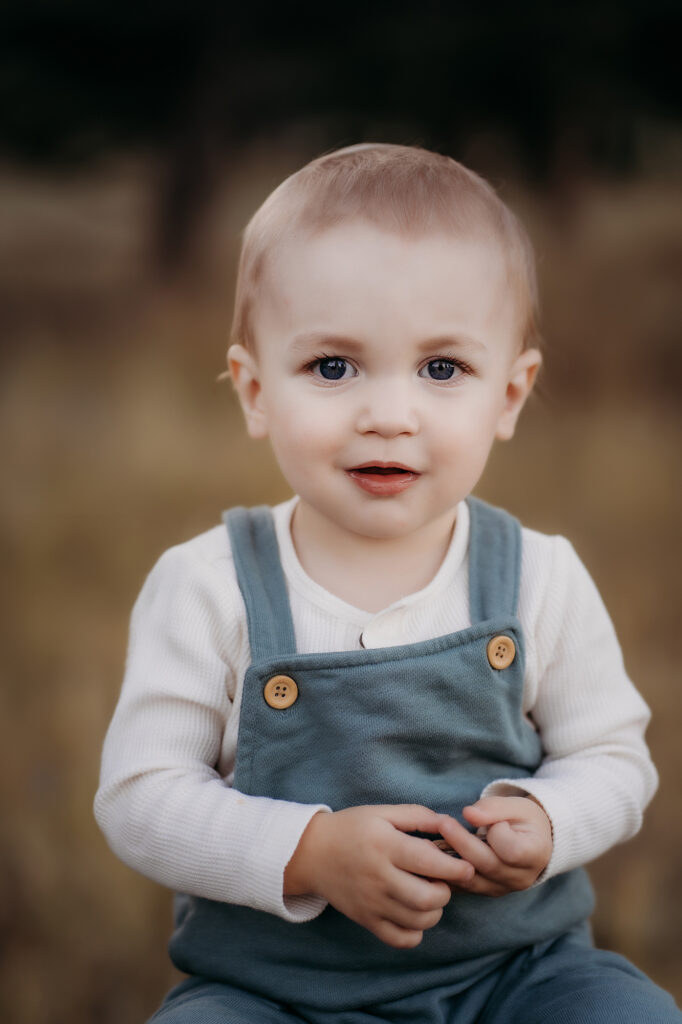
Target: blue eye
<point x="333" y="368"/>
<point x="439" y="369"/>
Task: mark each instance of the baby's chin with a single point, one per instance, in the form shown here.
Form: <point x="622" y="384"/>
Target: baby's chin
<point x="394" y="525"/>
<point x="375" y="519"/>
<point x="375" y="525"/>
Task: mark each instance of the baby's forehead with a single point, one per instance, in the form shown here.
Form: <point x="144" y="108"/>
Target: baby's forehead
<point x="364" y="250"/>
<point x="359" y="234"/>
<point x="358" y="273"/>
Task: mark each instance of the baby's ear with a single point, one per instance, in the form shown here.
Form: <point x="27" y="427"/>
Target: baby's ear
<point x="522" y="376"/>
<point x="244" y="371"/>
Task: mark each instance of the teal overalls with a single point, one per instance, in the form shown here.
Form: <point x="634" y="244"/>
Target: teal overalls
<point x="430" y="723"/>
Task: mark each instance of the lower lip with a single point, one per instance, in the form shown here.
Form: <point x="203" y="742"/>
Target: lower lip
<point x="383" y="485"/>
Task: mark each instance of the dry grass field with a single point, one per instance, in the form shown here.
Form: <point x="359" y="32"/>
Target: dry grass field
<point x="118" y="442"/>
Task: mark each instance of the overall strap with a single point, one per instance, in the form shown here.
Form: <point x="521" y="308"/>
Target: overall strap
<point x="261" y="581"/>
<point x="494" y="561"/>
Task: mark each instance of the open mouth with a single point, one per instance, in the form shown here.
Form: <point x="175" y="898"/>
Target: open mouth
<point x="383" y="468"/>
<point x="383" y="479"/>
<point x="380" y="470"/>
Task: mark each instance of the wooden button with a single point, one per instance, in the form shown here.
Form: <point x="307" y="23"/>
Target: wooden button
<point x="501" y="651"/>
<point x="280" y="692"/>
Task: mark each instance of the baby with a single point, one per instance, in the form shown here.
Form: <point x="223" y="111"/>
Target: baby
<point x="325" y="700"/>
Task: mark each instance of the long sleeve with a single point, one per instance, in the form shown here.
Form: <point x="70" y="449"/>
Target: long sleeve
<point x="164" y="802"/>
<point x="596" y="776"/>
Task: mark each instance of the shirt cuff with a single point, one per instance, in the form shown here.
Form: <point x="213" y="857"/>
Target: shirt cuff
<point x="287" y="822"/>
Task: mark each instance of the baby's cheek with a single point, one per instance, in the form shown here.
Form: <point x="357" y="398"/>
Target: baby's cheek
<point x="301" y="415"/>
<point x="312" y="434"/>
<point x="303" y="440"/>
<point x="468" y="438"/>
<point x="322" y="431"/>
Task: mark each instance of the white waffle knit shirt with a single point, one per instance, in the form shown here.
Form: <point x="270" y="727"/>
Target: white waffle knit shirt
<point x="166" y="803"/>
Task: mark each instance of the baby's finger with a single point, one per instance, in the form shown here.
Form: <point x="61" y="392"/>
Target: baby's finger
<point x="504" y="841"/>
<point x="515" y="848"/>
<point x="393" y="935"/>
<point x="417" y="893"/>
<point x="490" y="809"/>
<point x="409" y="817"/>
<point x="422" y="857"/>
<point x="413" y="920"/>
<point x="470" y="847"/>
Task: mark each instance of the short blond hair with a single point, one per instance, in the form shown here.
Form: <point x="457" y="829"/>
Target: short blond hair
<point x="402" y="189"/>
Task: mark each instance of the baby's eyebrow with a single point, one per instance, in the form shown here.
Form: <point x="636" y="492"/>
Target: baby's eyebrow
<point x="314" y="339"/>
<point x="341" y="342"/>
<point x="458" y="341"/>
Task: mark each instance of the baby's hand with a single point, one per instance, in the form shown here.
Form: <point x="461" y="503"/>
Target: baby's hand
<point x="363" y="863"/>
<point x="516" y="849"/>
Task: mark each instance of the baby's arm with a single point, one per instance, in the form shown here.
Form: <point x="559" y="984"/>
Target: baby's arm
<point x="596" y="776"/>
<point x="163" y="804"/>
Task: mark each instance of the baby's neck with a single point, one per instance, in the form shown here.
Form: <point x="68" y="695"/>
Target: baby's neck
<point x="368" y="573"/>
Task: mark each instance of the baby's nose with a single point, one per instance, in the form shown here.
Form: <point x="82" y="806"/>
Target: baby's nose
<point x="388" y="410"/>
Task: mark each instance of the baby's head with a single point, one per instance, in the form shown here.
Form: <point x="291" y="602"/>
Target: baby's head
<point x="383" y="334"/>
<point x="403" y="190"/>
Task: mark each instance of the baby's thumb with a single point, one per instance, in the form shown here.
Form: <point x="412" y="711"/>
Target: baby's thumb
<point x="504" y="841"/>
<point x="490" y="809"/>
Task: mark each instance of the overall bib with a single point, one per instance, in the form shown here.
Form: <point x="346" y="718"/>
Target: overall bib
<point x="431" y="723"/>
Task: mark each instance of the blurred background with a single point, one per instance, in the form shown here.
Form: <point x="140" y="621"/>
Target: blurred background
<point x="136" y="141"/>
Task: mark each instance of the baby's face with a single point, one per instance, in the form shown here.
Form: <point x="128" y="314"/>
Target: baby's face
<point x="385" y="369"/>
